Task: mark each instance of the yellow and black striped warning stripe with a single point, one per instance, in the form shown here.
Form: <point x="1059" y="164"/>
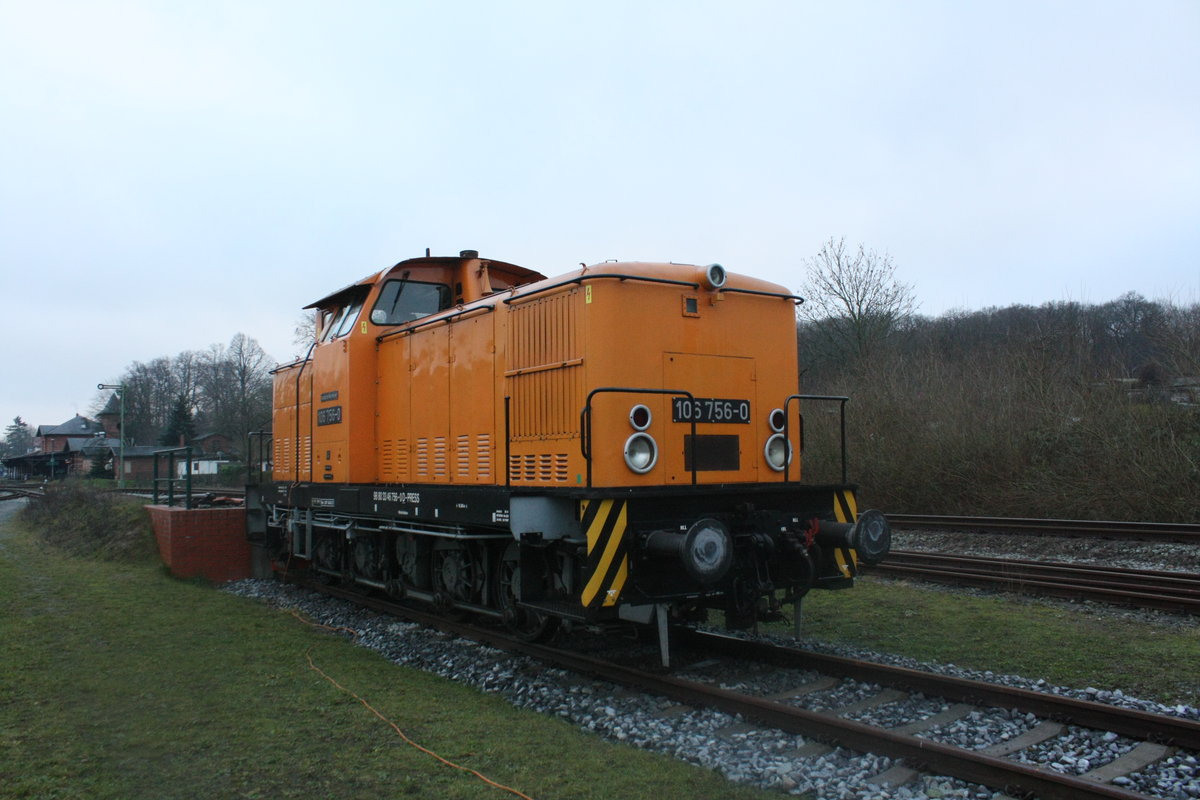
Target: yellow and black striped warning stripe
<point x="845" y="509"/>
<point x="604" y="522"/>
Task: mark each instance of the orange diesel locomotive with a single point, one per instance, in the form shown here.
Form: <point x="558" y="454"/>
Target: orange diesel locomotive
<point x="618" y="443"/>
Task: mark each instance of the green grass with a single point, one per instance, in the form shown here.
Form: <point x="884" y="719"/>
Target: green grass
<point x="117" y="681"/>
<point x="1073" y="646"/>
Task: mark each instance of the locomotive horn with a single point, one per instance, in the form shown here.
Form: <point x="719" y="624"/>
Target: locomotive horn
<point x="705" y="551"/>
<point x="870" y="536"/>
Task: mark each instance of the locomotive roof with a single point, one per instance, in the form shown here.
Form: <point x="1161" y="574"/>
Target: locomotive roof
<point x="345" y="290"/>
<point x="673" y="270"/>
<point x="527" y="279"/>
<point x="522" y="274"/>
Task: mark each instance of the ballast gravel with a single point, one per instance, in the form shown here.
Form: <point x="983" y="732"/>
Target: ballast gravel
<point x="715" y="740"/>
<point x="982" y="728"/>
<point x="1078" y="750"/>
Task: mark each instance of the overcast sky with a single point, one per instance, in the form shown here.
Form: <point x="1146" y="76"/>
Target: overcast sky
<point x="173" y="173"/>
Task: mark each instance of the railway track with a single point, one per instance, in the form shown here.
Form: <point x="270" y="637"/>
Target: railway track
<point x="1157" y="736"/>
<point x="1130" y="531"/>
<point x="1177" y="592"/>
<point x="17" y="492"/>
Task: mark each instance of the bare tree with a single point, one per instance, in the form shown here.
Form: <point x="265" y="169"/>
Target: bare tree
<point x="224" y="390"/>
<point x="1180" y="340"/>
<point x="305" y="331"/>
<point x="853" y="299"/>
<point x="150" y="390"/>
<point x="235" y="388"/>
<point x="249" y="385"/>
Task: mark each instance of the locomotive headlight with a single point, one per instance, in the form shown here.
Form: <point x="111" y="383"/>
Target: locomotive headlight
<point x="641" y="453"/>
<point x="776" y="420"/>
<point x="640" y="417"/>
<point x="714" y="276"/>
<point x="778" y="452"/>
<point x="706" y="552"/>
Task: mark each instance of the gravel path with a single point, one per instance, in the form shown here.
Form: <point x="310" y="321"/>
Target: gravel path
<point x="9" y="509"/>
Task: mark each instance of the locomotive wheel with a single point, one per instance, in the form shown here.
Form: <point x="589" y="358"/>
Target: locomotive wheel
<point x="458" y="570"/>
<point x="525" y="623"/>
<point x="367" y="556"/>
<point x="412" y="556"/>
<point x="327" y="552"/>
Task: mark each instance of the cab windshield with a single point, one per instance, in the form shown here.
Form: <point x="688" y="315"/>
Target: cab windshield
<point x="403" y="300"/>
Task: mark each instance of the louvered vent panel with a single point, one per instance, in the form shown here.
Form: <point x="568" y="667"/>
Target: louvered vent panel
<point x="462" y="457"/>
<point x="483" y="456"/>
<point x="441" y="461"/>
<point x="544" y="356"/>
<point x="546" y="403"/>
<point x="387" y="459"/>
<point x="423" y="458"/>
<point x="543" y="332"/>
<point x="283" y="456"/>
<point x="540" y="468"/>
<point x="402" y="463"/>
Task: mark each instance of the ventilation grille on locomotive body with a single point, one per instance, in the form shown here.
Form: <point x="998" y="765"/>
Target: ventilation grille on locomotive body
<point x="544" y="380"/>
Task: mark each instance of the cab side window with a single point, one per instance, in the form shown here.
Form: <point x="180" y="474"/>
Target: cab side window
<point x="402" y="301"/>
<point x="341" y="321"/>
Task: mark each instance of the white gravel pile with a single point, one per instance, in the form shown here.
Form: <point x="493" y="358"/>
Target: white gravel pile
<point x="712" y="739"/>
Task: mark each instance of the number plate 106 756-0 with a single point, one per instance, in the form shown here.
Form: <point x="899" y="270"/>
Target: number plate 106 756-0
<point x="709" y="409"/>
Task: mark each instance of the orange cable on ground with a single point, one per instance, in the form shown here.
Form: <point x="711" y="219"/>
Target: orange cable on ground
<point x="395" y="727"/>
<point x="335" y="628"/>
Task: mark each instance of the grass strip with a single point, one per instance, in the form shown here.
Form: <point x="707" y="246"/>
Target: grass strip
<point x="1074" y="645"/>
<point x="117" y="681"/>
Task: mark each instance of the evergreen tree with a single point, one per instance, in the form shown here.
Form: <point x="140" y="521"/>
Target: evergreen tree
<point x="18" y="438"/>
<point x="100" y="468"/>
<point x="181" y="427"/>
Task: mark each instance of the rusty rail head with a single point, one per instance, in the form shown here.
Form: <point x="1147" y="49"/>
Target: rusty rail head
<point x="1162" y="591"/>
<point x="1130" y="722"/>
<point x="1186" y="533"/>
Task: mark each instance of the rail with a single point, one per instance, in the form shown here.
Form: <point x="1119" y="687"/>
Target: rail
<point x="580" y="279"/>
<point x="786" y="428"/>
<point x="1187" y="533"/>
<point x="19" y="492"/>
<point x="258" y="465"/>
<point x="462" y="313"/>
<point x="923" y="753"/>
<point x="1177" y="592"/>
<point x="171" y="480"/>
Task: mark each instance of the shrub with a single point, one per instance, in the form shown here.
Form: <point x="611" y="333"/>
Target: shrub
<point x="1007" y="434"/>
<point x="86" y="521"/>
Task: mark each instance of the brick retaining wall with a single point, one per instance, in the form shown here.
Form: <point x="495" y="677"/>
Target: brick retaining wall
<point x="206" y="542"/>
